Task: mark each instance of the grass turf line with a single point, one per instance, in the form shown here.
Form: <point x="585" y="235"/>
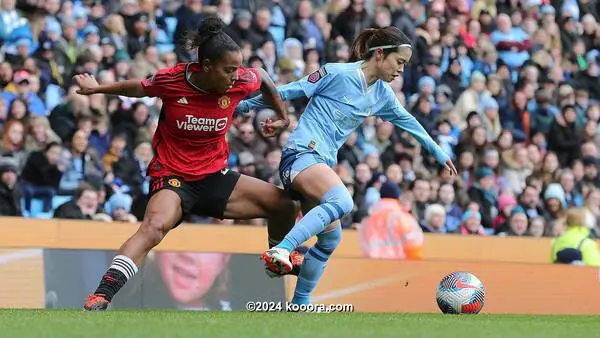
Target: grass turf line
<point x="172" y="323"/>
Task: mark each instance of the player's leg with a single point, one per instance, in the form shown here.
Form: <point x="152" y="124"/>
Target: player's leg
<point x="163" y="213"/>
<point x="316" y="258"/>
<point x="316" y="182"/>
<point x="235" y="196"/>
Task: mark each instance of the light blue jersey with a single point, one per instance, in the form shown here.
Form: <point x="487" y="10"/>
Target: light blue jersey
<point x="340" y="100"/>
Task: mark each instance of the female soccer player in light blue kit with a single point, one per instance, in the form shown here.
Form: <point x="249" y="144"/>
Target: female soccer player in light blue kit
<point x="341" y="96"/>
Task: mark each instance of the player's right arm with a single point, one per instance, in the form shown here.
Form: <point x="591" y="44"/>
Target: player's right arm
<point x="89" y="86"/>
<point x="305" y="87"/>
<point x="152" y="86"/>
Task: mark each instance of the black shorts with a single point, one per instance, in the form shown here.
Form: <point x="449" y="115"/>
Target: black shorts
<point x="206" y="197"/>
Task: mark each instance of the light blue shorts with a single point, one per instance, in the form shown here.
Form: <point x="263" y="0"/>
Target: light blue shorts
<point x="292" y="163"/>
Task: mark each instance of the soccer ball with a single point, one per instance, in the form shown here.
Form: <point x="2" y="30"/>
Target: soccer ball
<point x="460" y="292"/>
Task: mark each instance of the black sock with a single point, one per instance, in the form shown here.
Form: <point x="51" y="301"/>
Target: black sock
<point x="121" y="270"/>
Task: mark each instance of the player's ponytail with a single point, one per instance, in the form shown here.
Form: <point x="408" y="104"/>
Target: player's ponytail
<point x="389" y="38"/>
<point x="210" y="40"/>
<point x="361" y="43"/>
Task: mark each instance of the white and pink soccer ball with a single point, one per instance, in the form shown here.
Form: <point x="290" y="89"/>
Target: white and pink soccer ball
<point x="460" y="293"/>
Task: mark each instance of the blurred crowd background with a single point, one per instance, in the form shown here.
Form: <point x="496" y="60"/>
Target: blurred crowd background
<point x="509" y="89"/>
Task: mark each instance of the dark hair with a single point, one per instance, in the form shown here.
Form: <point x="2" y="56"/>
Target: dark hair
<point x="376" y="37"/>
<point x="50" y="145"/>
<point x="83" y="187"/>
<point x="210" y="40"/>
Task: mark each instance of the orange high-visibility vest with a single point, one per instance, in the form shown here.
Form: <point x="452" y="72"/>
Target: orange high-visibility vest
<point x="390" y="232"/>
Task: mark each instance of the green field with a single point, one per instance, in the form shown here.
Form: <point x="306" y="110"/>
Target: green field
<point x="146" y="324"/>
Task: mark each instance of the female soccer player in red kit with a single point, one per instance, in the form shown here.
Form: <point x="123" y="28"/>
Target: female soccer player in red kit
<point x="188" y="171"/>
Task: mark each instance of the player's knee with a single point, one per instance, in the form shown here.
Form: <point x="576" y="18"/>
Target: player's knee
<point x="340" y="199"/>
<point x="283" y="206"/>
<point x="330" y="240"/>
<point x="154" y="229"/>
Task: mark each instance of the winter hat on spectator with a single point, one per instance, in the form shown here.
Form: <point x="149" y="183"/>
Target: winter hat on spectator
<point x="505" y="201"/>
<point x="8" y="164"/>
<point x="483" y="172"/>
<point x="470" y="213"/>
<point x="90" y="29"/>
<point x="555" y="190"/>
<point x="518" y="210"/>
<point x="243" y="14"/>
<point x="53" y="27"/>
<point x="23" y="42"/>
<point x="477" y="76"/>
<point x="245" y="158"/>
<point x="426" y="81"/>
<point x="592" y="56"/>
<point x="547" y="9"/>
<point x="79" y="12"/>
<point x="120" y="200"/>
<point x="390" y="190"/>
<point x="488" y="102"/>
<point x="122" y="56"/>
<point x="21" y="76"/>
<point x="444" y="90"/>
<point x="589" y="160"/>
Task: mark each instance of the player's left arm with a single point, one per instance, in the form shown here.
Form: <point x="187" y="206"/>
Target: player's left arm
<point x="272" y="98"/>
<point x="399" y="116"/>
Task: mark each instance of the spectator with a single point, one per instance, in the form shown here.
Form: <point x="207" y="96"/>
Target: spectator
<point x="82" y="164"/>
<point x="9" y="192"/>
<point x="40" y="134"/>
<point x="516" y="225"/>
<point x="482" y="193"/>
<point x="84" y="205"/>
<point x="390" y="231"/>
<point x="575" y="246"/>
<point x="120" y="206"/>
<point x="41" y="176"/>
<point x="471" y="224"/>
<point x="435" y="219"/>
<point x="564" y="137"/>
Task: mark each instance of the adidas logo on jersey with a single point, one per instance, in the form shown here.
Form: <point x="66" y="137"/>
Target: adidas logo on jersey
<point x="182" y="100"/>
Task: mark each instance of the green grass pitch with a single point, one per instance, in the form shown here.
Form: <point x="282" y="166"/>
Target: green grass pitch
<point x="172" y="324"/>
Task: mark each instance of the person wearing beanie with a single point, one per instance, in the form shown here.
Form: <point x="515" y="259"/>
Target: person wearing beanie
<point x="555" y="203"/>
<point x="575" y="246"/>
<point x="506" y="203"/>
<point x="470" y="99"/>
<point x="9" y="193"/>
<point x="390" y="231"/>
<point x="482" y="193"/>
<point x="120" y="207"/>
<point x="517" y="223"/>
<point x="471" y="224"/>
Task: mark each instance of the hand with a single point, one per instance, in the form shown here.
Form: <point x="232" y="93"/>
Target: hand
<point x="270" y="127"/>
<point x="449" y="166"/>
<point x="87" y="84"/>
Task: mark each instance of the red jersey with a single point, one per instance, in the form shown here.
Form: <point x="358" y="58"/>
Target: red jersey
<point x="190" y="140"/>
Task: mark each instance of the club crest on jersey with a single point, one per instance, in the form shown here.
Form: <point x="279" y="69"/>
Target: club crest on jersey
<point x="174" y="183"/>
<point x="317" y="75"/>
<point x="224" y="102"/>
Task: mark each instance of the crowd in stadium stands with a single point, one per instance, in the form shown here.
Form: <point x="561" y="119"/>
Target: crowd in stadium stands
<point x="509" y="88"/>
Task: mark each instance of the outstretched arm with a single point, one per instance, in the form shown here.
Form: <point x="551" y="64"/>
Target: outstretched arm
<point x="290" y="91"/>
<point x="398" y="115"/>
<point x="304" y="87"/>
<point x="89" y="86"/>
